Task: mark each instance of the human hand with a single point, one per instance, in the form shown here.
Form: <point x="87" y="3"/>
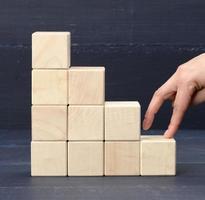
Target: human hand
<point x="184" y="88"/>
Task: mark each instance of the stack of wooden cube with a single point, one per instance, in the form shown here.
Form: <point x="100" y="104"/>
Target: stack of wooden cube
<point x="75" y="132"/>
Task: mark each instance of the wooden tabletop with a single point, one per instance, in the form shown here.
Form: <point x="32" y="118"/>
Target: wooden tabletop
<point x="16" y="183"/>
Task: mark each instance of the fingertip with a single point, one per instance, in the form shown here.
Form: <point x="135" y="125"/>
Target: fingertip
<point x="145" y="128"/>
<point x="167" y="134"/>
<point x="146" y="124"/>
<point x="148" y="120"/>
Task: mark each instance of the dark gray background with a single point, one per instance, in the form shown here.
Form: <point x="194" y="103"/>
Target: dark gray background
<point x="141" y="43"/>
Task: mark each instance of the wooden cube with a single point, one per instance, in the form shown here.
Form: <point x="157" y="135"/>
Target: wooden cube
<point x="85" y="158"/>
<point x="86" y="85"/>
<point x="48" y="158"/>
<point x="158" y="156"/>
<point x="49" y="123"/>
<point x="51" y="50"/>
<point x="122" y="158"/>
<point x="49" y="87"/>
<point x="85" y="122"/>
<point x="122" y="120"/>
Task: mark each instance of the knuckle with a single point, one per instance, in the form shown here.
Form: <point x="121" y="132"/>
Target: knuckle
<point x="179" y="108"/>
<point x="181" y="68"/>
<point x="191" y="87"/>
<point x="158" y="93"/>
<point x="185" y="76"/>
<point x="203" y="54"/>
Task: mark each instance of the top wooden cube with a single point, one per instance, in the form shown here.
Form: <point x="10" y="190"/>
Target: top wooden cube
<point x="122" y="120"/>
<point x="86" y="85"/>
<point x="51" y="50"/>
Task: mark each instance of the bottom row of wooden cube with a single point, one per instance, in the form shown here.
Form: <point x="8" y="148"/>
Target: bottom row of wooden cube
<point x="153" y="155"/>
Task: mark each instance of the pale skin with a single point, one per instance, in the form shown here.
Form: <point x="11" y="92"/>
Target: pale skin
<point x="184" y="88"/>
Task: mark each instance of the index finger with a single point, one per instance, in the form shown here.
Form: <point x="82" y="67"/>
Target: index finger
<point x="162" y="94"/>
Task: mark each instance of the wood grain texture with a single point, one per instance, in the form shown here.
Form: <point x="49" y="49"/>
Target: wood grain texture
<point x="48" y="158"/>
<point x="85" y="158"/>
<point x="122" y="158"/>
<point x="136" y="41"/>
<point x="49" y="122"/>
<point x="51" y="50"/>
<point x="122" y="120"/>
<point x="49" y="87"/>
<point x="158" y="156"/>
<point x="86" y="85"/>
<point x="16" y="183"/>
<point x="85" y="122"/>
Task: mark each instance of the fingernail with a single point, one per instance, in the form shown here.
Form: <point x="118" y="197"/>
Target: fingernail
<point x="166" y="134"/>
<point x="145" y="124"/>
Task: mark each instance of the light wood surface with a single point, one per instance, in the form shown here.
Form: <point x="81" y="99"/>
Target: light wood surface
<point x="51" y="49"/>
<point x="122" y="120"/>
<point x="158" y="156"/>
<point x="49" y="122"/>
<point x="86" y="85"/>
<point x="49" y="87"/>
<point x="48" y="158"/>
<point x="122" y="158"/>
<point x="85" y="158"/>
<point x="85" y="122"/>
